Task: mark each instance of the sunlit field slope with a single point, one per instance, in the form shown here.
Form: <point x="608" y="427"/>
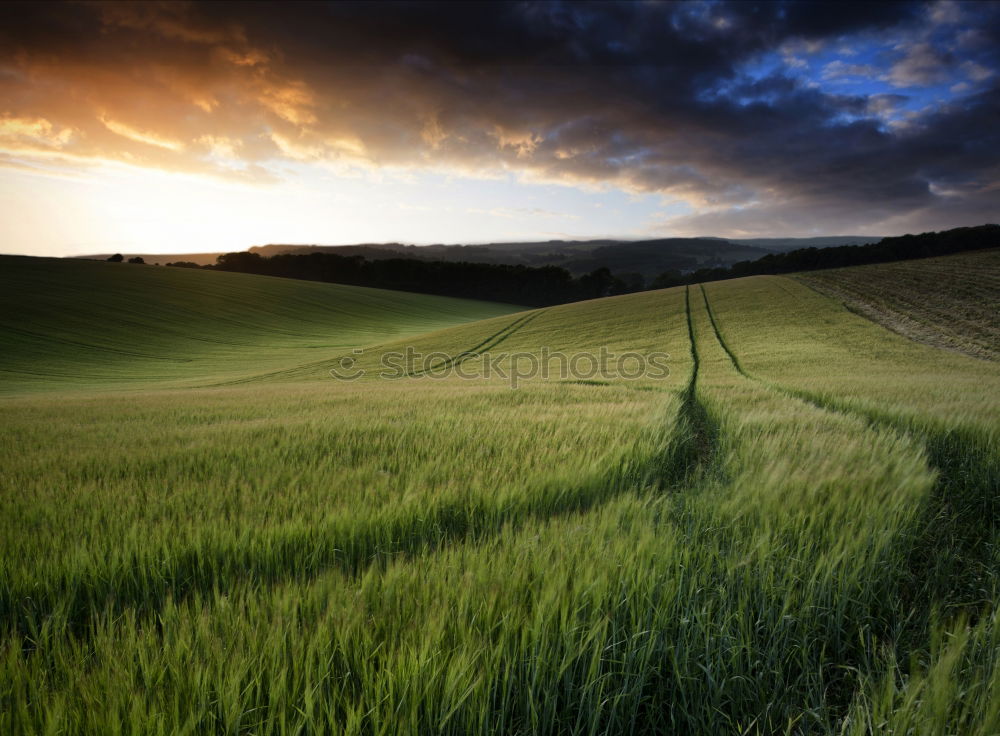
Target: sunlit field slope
<point x="791" y="530"/>
<point x="78" y="323"/>
<point x="951" y="302"/>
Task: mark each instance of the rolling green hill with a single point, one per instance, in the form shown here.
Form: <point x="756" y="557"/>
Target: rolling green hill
<point x="79" y="323"/>
<point x="794" y="530"/>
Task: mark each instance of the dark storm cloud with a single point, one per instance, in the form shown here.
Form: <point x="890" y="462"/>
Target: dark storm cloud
<point x="648" y="96"/>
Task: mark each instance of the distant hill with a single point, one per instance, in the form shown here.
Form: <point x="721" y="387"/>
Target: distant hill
<point x="886" y="250"/>
<point x="647" y="258"/>
<point x="781" y="245"/>
<point x="202" y="259"/>
<point x="604" y="270"/>
<point x="652" y="257"/>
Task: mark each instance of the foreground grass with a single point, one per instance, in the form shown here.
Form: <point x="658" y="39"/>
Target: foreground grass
<point x="747" y="545"/>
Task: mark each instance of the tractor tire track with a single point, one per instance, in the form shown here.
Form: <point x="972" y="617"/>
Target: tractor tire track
<point x="697" y="452"/>
<point x="951" y="560"/>
<point x="487" y="344"/>
<point x="499" y="336"/>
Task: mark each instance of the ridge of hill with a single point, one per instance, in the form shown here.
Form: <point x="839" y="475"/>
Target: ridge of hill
<point x="77" y="322"/>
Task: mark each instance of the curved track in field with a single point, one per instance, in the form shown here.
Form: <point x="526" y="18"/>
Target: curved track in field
<point x="964" y="504"/>
<point x="487" y="344"/>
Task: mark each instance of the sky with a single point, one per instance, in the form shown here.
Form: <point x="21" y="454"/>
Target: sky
<point x="191" y="127"/>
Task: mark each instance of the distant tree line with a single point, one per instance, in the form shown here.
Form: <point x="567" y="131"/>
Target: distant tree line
<point x="118" y="258"/>
<point x="514" y="284"/>
<point x="547" y="285"/>
<point x="900" y="248"/>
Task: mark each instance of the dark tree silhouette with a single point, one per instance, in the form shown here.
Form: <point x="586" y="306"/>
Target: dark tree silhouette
<point x="136" y="259"/>
<point x="514" y="284"/>
<point x="667" y="279"/>
<point x="901" y="248"/>
<point x="116" y="258"/>
<point x="546" y="285"/>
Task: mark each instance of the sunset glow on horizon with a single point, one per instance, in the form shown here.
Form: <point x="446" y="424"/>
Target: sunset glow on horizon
<point x="188" y="127"/>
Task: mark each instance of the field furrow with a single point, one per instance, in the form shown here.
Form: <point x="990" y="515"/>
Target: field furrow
<point x="947" y="302"/>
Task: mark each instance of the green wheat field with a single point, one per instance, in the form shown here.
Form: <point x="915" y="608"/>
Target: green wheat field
<point x="202" y="531"/>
